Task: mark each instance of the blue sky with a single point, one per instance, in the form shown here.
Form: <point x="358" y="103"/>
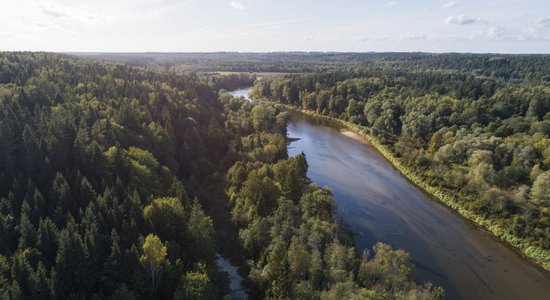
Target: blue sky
<point x="276" y="25"/>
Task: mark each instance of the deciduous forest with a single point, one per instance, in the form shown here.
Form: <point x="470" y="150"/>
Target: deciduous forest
<point x="474" y="129"/>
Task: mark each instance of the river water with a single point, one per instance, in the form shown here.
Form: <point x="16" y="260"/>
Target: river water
<point x="241" y="93"/>
<point x="381" y="205"/>
<point x="235" y="280"/>
<point x="238" y="292"/>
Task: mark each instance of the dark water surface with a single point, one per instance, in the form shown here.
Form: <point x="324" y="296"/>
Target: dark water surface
<point x="381" y="205"/>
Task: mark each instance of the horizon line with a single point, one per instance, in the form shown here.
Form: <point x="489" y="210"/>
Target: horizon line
<point x="278" y="52"/>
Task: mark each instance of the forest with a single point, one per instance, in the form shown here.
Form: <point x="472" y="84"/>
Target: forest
<point x="475" y="129"/>
<point x="101" y="171"/>
<point x="508" y="66"/>
<point x="294" y="247"/>
<point x="122" y="182"/>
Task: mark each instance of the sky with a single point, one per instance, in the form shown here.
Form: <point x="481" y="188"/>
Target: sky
<point x="501" y="26"/>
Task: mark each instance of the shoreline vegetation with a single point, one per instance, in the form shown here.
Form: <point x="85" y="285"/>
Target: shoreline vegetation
<point x="293" y="245"/>
<point x="534" y="254"/>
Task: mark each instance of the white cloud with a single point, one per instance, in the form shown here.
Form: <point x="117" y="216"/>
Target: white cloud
<point x="542" y="23"/>
<point x="78" y="13"/>
<point x="449" y="4"/>
<point x="498" y="33"/>
<point x="351" y="39"/>
<point x="148" y="1"/>
<point x="391" y="3"/>
<point x="47" y="21"/>
<point x="370" y="38"/>
<point x="410" y="36"/>
<point x="461" y="20"/>
<point x="17" y="36"/>
<point x="53" y="12"/>
<point x="158" y="7"/>
<point x="237" y="5"/>
<point x="538" y="29"/>
<point x="46" y="26"/>
<point x="495" y="32"/>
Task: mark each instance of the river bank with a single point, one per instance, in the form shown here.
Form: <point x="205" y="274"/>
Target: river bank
<point x="381" y="205"/>
<point x="536" y="255"/>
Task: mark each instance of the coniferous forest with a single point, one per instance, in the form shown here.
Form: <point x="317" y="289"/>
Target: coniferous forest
<point x="100" y="179"/>
<point x="121" y="182"/>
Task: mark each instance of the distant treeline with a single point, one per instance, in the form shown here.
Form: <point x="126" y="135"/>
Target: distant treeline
<point x="505" y="66"/>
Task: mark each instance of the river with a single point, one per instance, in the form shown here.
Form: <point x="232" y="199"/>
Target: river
<point x="381" y="205"/>
<point x="241" y="93"/>
<point x="238" y="292"/>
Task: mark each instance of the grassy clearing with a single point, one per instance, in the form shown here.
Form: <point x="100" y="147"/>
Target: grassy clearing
<point x="259" y="75"/>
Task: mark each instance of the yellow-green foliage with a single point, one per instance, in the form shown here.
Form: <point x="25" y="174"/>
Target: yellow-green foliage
<point x="168" y="204"/>
<point x="143" y="157"/>
<point x="167" y="216"/>
<point x="153" y="258"/>
<point x="143" y="168"/>
<point x="154" y="251"/>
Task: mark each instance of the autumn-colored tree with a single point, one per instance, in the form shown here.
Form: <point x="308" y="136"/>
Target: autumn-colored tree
<point x="153" y="258"/>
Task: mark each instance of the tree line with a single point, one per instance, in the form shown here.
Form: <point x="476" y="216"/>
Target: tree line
<point x="515" y="67"/>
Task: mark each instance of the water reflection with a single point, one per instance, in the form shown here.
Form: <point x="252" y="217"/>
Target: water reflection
<point x="381" y="205"/>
